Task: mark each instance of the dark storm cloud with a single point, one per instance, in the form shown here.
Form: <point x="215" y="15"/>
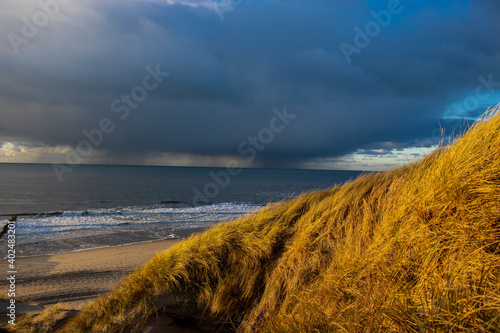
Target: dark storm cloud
<point x="227" y="76"/>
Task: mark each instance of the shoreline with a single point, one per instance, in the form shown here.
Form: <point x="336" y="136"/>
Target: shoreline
<point x="77" y="278"/>
<point x="46" y="248"/>
<point x="68" y="233"/>
<point x="95" y="248"/>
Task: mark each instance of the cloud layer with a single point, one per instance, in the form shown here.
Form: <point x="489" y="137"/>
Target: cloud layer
<point x="231" y="63"/>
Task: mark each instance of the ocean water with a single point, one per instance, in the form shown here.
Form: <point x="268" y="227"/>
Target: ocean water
<point x="98" y="206"/>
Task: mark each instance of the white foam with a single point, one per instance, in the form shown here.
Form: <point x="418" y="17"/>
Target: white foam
<point x="72" y="225"/>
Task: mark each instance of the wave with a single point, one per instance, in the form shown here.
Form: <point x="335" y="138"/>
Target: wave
<point x="138" y="209"/>
<point x="135" y="222"/>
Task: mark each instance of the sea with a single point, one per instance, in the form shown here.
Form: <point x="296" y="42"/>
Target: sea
<point x="98" y="206"/>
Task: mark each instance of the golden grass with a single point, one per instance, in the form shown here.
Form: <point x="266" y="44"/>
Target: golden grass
<point x="413" y="249"/>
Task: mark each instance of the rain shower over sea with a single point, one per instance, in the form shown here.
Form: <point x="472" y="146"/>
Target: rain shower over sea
<point x="100" y="206"/>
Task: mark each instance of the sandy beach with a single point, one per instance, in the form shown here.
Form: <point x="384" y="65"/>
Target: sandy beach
<point x="74" y="279"/>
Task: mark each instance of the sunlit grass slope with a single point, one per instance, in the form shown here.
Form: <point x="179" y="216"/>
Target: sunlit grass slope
<point x="414" y="249"/>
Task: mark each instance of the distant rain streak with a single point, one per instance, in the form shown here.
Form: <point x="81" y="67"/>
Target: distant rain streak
<point x="122" y="106"/>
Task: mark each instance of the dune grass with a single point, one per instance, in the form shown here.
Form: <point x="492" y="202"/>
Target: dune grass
<point x="412" y="249"/>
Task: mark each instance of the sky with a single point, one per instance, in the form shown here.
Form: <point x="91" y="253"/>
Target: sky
<point x="353" y="85"/>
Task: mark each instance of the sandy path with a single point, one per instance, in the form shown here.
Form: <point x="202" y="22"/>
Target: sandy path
<point x="76" y="278"/>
